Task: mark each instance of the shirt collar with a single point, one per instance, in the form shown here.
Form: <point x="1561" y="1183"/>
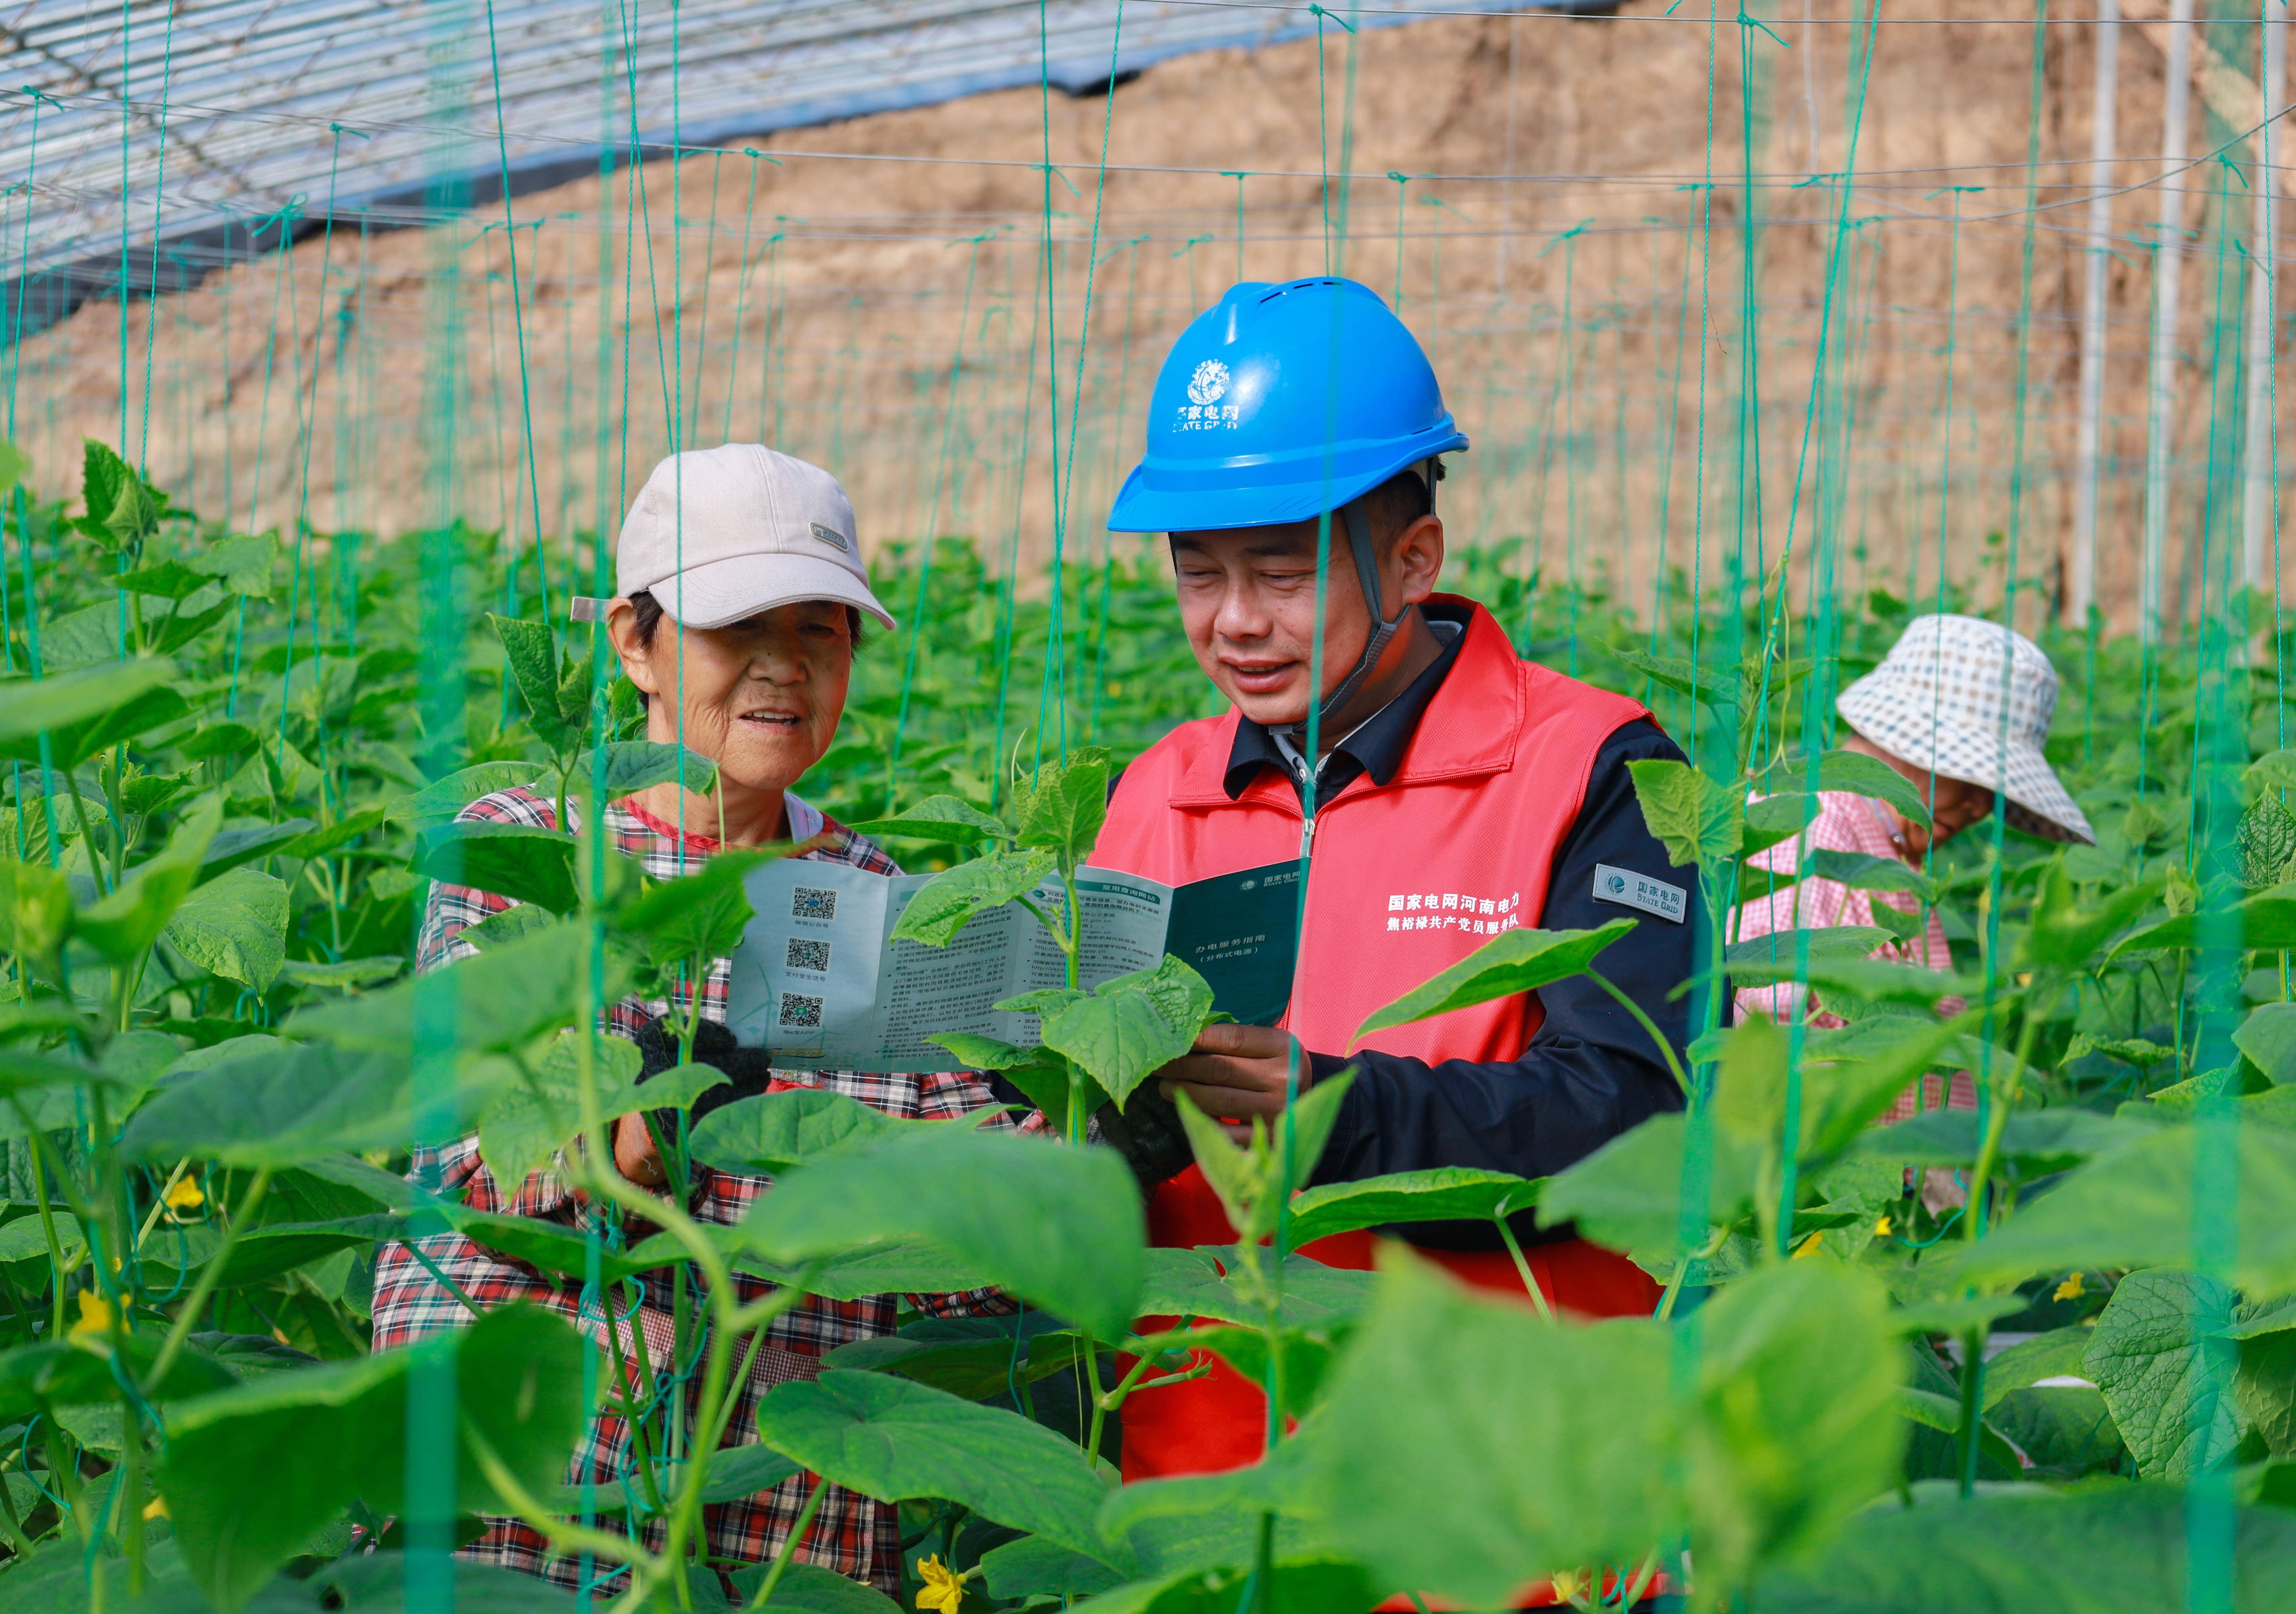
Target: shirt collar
<point x="1377" y="743"/>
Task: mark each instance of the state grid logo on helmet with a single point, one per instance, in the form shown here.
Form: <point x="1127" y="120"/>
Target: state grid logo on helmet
<point x="1206" y="387"/>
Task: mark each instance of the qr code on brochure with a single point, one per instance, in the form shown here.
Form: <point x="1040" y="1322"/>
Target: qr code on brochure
<point x="809" y="955"/>
<point x="799" y="1012"/>
<point x="811" y="903"/>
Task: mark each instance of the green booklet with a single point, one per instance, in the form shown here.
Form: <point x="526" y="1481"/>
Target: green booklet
<point x="820" y="982"/>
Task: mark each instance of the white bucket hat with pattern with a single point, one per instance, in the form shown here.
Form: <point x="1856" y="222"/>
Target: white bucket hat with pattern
<point x="1971" y="700"/>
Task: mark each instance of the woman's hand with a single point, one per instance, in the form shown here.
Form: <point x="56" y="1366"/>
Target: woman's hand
<point x="635" y="1154"/>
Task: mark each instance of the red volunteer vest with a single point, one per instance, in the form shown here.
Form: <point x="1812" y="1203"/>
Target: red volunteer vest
<point x="1407" y="879"/>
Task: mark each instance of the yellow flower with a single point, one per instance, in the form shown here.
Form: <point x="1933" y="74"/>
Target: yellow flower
<point x="157" y="1508"/>
<point x="1815" y="1245"/>
<point x="1568" y="1584"/>
<point x="94" y="1315"/>
<point x="2070" y="1289"/>
<point x="185" y="1196"/>
<point x="943" y="1591"/>
<point x="1882" y="1227"/>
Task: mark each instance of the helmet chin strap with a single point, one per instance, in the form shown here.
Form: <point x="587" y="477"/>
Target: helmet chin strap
<point x="1384" y="628"/>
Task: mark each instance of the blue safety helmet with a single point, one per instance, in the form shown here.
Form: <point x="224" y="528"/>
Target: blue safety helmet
<point x="1281" y="402"/>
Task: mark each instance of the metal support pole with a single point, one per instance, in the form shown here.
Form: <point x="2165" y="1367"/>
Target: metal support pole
<point x="2167" y="260"/>
<point x="2255" y="460"/>
<point x="2082" y="594"/>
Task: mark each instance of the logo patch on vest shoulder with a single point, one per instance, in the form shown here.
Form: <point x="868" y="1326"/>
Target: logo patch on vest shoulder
<point x="1628" y="889"/>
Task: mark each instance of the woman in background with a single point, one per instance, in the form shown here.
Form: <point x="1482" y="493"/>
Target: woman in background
<point x="1960" y="707"/>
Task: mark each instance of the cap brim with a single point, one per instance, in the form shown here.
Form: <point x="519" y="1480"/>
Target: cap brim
<point x="2038" y="802"/>
<point x="741" y="586"/>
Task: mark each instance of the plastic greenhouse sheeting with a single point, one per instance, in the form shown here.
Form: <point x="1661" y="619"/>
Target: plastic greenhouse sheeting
<point x="129" y="121"/>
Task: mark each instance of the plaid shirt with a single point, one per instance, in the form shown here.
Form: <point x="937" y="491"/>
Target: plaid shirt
<point x="852" y="1535"/>
<point x="1848" y="823"/>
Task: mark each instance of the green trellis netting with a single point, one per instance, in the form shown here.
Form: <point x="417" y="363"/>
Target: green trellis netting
<point x="338" y="339"/>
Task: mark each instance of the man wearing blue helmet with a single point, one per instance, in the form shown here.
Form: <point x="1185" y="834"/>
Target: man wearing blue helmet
<point x="1457" y="792"/>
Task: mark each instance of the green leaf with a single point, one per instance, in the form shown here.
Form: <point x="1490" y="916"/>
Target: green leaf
<point x="2142" y="1356"/>
<point x="944" y="904"/>
<point x="1061" y="806"/>
<point x="515" y="923"/>
<point x="2106" y="1550"/>
<point x="235" y="927"/>
<point x="2036" y="1141"/>
<point x="531" y="659"/>
<point x="1470" y="1448"/>
<point x="1132" y="1026"/>
<point x="768" y="1135"/>
<point x="2055" y="1355"/>
<point x="976" y="1365"/>
<point x="260" y="1254"/>
<point x="1061" y="1227"/>
<point x="1696" y="819"/>
<point x="15" y="464"/>
<point x="1773" y="819"/>
<point x="1869" y="775"/>
<point x="491" y="1003"/>
<point x="939" y="817"/>
<point x="2264" y="1384"/>
<point x="2132" y="1207"/>
<point x="1875" y="981"/>
<point x="232" y="848"/>
<point x="1308" y="1356"/>
<point x="1682" y="676"/>
<point x="350" y="974"/>
<point x="1825" y="941"/>
<point x="437" y="804"/>
<point x="985" y="1053"/>
<point x="1838" y="1097"/>
<point x="122" y="510"/>
<point x="1512" y="962"/>
<point x="893" y="1438"/>
<point x="1798" y="1424"/>
<point x="242" y="564"/>
<point x="2267" y="923"/>
<point x="524" y="1127"/>
<point x="1212" y="1521"/>
<point x="169" y="581"/>
<point x="2063" y="936"/>
<point x="122" y="924"/>
<point x="1190" y="1283"/>
<point x="1032" y="1567"/>
<point x="907" y="1266"/>
<point x="1444" y="1193"/>
<point x="1863" y="871"/>
<point x="35" y="907"/>
<point x="1254" y="1182"/>
<point x="635" y="765"/>
<point x="701" y="914"/>
<point x="2269" y="1038"/>
<point x="251" y="1472"/>
<point x="70" y="706"/>
<point x="522" y="861"/>
<point x="285" y="1107"/>
<point x="811" y="1588"/>
<point x="1628" y="1194"/>
<point x="317" y="843"/>
<point x="2064" y="1429"/>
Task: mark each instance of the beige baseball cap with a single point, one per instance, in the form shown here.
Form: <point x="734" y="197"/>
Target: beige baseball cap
<point x="719" y="534"/>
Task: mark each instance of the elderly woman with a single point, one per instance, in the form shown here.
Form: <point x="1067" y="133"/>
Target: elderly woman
<point x="1960" y="707"/>
<point x="741" y="597"/>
